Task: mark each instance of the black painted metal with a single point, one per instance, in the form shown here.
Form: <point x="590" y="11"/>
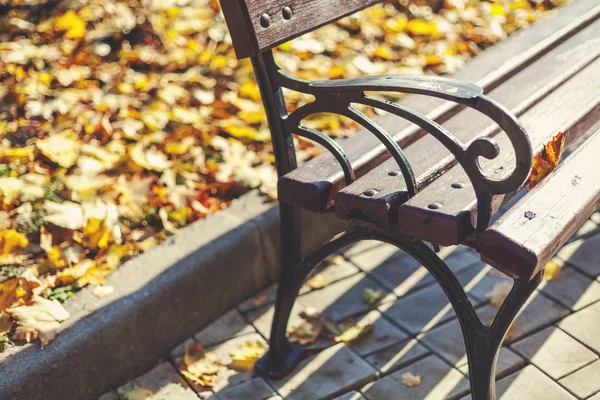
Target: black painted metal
<point x="482" y="342"/>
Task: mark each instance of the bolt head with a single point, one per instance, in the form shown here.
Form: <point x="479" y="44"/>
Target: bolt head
<point x="287" y="13"/>
<point x="265" y="20"/>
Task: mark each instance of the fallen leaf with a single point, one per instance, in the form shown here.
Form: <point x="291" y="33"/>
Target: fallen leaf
<point x="410" y="380"/>
<point x="547" y="160"/>
<point x="67" y="214"/>
<point x="138" y="394"/>
<point x="199" y="366"/>
<point x="5" y="325"/>
<point x="499" y="293"/>
<point x="311" y="313"/>
<point x="39" y="320"/>
<point x="306" y="332"/>
<point x="244" y="358"/>
<point x="348" y="331"/>
<point x="318" y="281"/>
<point x="552" y="270"/>
<point x="62" y="148"/>
<point x="372" y="296"/>
<point x="103" y="291"/>
<point x="258" y="301"/>
<point x="14" y="289"/>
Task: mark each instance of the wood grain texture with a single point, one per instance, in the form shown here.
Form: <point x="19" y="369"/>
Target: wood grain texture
<point x="529" y="234"/>
<point x="250" y="37"/>
<point x="314" y="185"/>
<point x="572" y="108"/>
<point x="430" y="159"/>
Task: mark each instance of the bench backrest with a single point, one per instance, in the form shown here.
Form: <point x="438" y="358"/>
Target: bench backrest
<point x="259" y="25"/>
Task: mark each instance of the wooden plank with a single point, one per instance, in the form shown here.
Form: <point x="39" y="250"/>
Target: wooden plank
<point x="572" y="108"/>
<point x="529" y="234"/>
<point x="314" y="184"/>
<point x="259" y="25"/>
<point x="430" y="159"/>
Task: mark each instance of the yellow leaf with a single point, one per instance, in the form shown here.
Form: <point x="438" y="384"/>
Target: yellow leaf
<point x="200" y="367"/>
<point x="348" y="331"/>
<point x="244" y="358"/>
<point x="410" y="380"/>
<point x="423" y="28"/>
<point x="11" y="240"/>
<point x="318" y="281"/>
<point x="95" y="235"/>
<point x="250" y="90"/>
<point x="10" y="188"/>
<point x="497" y="10"/>
<point x="547" y="160"/>
<point x="138" y="394"/>
<point x="72" y="24"/>
<point x="95" y="276"/>
<point x="552" y="271"/>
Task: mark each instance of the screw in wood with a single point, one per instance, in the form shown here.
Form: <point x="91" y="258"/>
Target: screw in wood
<point x="265" y="20"/>
<point x="458" y="185"/>
<point x="393" y="173"/>
<point x="287" y="13"/>
<point x="370" y="193"/>
<point x="434" y="206"/>
<point x="529" y="215"/>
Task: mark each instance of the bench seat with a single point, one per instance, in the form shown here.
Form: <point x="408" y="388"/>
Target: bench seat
<point x="314" y="184"/>
<point x="529" y="234"/>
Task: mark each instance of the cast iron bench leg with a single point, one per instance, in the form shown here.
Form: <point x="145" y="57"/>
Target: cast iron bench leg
<point x="482" y="342"/>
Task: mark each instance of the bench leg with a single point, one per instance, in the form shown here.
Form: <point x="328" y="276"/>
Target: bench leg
<point x="283" y="356"/>
<point x="483" y="350"/>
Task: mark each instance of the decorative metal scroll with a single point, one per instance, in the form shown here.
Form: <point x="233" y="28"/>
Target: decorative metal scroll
<point x="338" y="96"/>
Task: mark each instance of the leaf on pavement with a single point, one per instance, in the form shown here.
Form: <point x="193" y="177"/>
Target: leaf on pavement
<point x="138" y="394"/>
<point x="552" y="271"/>
<point x="306" y="332"/>
<point x="244" y="358"/>
<point x="318" y="281"/>
<point x="372" y="296"/>
<point x="410" y="380"/>
<point x="39" y="320"/>
<point x="348" y="331"/>
<point x="199" y="366"/>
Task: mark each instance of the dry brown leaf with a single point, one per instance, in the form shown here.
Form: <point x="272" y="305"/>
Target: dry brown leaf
<point x="410" y="380"/>
<point x="306" y="332"/>
<point x="546" y="161"/>
<point x="39" y="320"/>
<point x="244" y="358"/>
<point x="498" y="293"/>
<point x="199" y="366"/>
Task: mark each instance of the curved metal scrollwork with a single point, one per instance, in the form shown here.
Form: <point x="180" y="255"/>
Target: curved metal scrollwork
<point x="338" y="97"/>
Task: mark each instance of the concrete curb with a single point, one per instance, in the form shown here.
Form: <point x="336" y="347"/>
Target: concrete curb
<point x="161" y="298"/>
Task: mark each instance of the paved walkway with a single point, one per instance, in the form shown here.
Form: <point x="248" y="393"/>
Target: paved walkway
<point x="551" y="354"/>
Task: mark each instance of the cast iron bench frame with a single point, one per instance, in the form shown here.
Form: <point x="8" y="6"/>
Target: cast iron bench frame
<point x="258" y="26"/>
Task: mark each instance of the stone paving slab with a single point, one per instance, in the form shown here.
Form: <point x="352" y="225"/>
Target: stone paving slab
<point x="584" y="382"/>
<point x="529" y="383"/>
<point x="397" y="356"/>
<point x="538" y="312"/>
<point x="508" y="362"/>
<point x="583" y="254"/>
<point x="326" y="375"/>
<point x="554" y="352"/>
<point x="231" y="325"/>
<point x="354" y="395"/>
<point x="257" y="388"/>
<point x="572" y="289"/>
<point x="425" y="308"/>
<point x="343" y="299"/>
<point x="383" y="335"/>
<point x="584" y="325"/>
<point x="400" y="273"/>
<point x="164" y="381"/>
<point x="438" y="381"/>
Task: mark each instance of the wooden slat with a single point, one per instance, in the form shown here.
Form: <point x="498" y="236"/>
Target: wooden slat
<point x="429" y="158"/>
<point x="252" y="36"/>
<point x="573" y="108"/>
<point x="315" y="183"/>
<point x="529" y="234"/>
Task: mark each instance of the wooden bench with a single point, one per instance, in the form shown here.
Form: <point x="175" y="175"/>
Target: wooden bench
<point x="417" y="174"/>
